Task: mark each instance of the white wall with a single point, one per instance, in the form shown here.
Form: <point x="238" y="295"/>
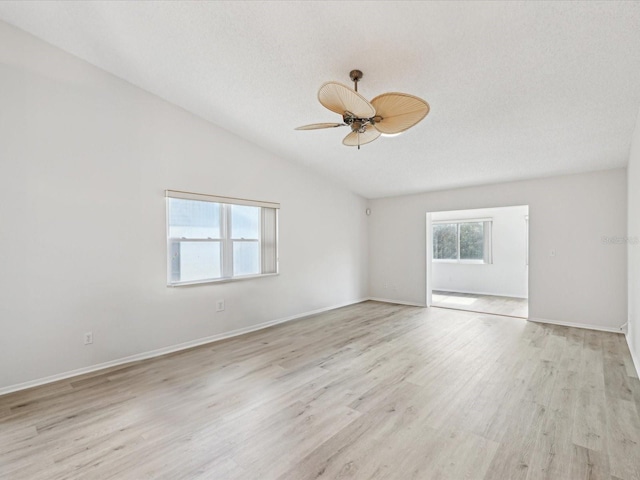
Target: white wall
<point x="585" y="283"/>
<point x="633" y="247"/>
<point x="507" y="275"/>
<point x="85" y="158"/>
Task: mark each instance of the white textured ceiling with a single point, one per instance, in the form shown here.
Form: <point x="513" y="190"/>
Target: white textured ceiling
<point x="517" y="90"/>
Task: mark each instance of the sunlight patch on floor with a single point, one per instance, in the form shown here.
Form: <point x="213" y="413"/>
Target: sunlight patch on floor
<point x="454" y="300"/>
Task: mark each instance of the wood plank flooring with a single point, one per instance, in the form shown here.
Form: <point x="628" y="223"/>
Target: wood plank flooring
<point x="370" y="391"/>
<point x="493" y="304"/>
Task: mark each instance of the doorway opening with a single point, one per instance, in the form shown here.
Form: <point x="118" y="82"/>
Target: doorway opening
<point x="478" y="260"/>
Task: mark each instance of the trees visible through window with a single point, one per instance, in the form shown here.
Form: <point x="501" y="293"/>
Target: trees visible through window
<point x="445" y="241"/>
<point x="471" y="241"/>
<point x="456" y="241"/>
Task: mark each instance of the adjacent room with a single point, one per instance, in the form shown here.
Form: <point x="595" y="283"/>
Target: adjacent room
<point x="290" y="240"/>
<point x="478" y="260"/>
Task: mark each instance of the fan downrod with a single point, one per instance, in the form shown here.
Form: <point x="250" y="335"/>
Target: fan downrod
<point x="355" y="76"/>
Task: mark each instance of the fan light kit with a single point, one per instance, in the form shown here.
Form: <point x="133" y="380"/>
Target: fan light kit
<point x="388" y="114"/>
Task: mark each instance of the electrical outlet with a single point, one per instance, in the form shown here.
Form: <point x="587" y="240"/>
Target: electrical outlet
<point x="220" y="305"/>
<point x="88" y="338"/>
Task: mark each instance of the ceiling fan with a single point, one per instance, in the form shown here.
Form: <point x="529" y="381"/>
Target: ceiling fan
<point x="387" y="114"/>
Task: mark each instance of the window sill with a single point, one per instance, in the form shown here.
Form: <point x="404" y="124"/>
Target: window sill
<point x="462" y="262"/>
<point x="221" y="280"/>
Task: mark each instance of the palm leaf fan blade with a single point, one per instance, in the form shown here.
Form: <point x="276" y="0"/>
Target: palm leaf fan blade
<point x="355" y="138"/>
<point x="399" y="111"/>
<point x="316" y="126"/>
<point x="340" y="99"/>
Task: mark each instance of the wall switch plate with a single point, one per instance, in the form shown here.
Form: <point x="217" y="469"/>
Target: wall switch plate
<point x="220" y="305"/>
<point x="88" y="338"/>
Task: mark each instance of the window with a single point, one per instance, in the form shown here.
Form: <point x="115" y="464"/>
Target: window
<point x="213" y="238"/>
<point x="467" y="241"/>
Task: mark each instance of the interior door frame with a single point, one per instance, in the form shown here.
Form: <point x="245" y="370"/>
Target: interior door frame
<point x="429" y="247"/>
<point x="429" y="258"/>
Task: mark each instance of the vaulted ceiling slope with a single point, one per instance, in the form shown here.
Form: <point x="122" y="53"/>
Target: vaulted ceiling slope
<point x="517" y="90"/>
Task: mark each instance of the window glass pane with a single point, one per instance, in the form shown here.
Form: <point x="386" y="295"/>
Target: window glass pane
<point x="246" y="258"/>
<point x="193" y="219"/>
<point x="191" y="261"/>
<point x="445" y="241"/>
<point x="471" y="241"/>
<point x="245" y="222"/>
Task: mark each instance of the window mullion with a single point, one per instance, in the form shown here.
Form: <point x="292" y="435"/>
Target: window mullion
<point x="227" y="244"/>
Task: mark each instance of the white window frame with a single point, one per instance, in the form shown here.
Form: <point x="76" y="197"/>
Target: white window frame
<point x="226" y="240"/>
<point x="488" y="255"/>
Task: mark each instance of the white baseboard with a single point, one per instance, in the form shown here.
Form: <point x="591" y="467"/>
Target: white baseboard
<point x="469" y="292"/>
<point x="169" y="349"/>
<point x="634" y="358"/>
<point x="398" y="302"/>
<point x="576" y="325"/>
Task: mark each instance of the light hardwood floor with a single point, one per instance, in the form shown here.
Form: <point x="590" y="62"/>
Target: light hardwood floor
<point x="370" y="391"/>
<point x="510" y="306"/>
